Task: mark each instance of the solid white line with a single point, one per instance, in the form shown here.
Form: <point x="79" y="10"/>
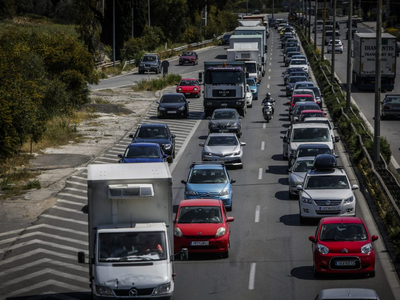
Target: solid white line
<point x="269" y="77"/>
<point x="264" y="125"/>
<point x="257" y="218"/>
<point x="252" y="276"/>
<point x="12" y="232"/>
<point x="262" y="145"/>
<point x="260" y="171"/>
<point x="267" y="86"/>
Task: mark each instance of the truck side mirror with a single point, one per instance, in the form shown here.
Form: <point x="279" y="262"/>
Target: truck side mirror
<point x="131" y="136"/>
<point x="183" y="181"/>
<point x="200" y="77"/>
<point x="184" y="254"/>
<point x="81" y="257"/>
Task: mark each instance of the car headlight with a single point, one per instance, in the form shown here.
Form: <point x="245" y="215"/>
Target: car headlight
<point x="296" y="183"/>
<point x="178" y="232"/>
<point x="161" y="108"/>
<point x="190" y="193"/>
<point x="236" y="124"/>
<point x="221" y="231"/>
<point x="322" y="249"/>
<point x="166" y="146"/>
<point x="306" y="200"/>
<point x="162" y="289"/>
<point x="103" y="290"/>
<point x="208" y="153"/>
<point x="366" y="249"/>
<point x="224" y="192"/>
<point x="195" y="89"/>
<point x="180" y="89"/>
<point x="181" y="108"/>
<point x="349" y="200"/>
<point x="237" y="153"/>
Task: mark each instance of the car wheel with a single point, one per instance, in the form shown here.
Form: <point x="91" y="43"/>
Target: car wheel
<point x="371" y="274"/>
<point x="229" y="208"/>
<point x="225" y="254"/>
<point x="170" y="159"/>
<point x="316" y="273"/>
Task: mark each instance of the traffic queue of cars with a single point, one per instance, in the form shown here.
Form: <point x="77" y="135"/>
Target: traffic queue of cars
<point x="341" y="242"/>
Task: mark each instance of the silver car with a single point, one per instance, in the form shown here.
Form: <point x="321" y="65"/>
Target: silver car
<point x="347" y="293"/>
<point x="224" y="147"/>
<point x="297" y="173"/>
<point x="390" y="106"/>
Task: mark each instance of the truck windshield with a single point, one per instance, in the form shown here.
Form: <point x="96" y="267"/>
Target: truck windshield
<point x="224" y="77"/>
<point x="131" y="246"/>
<point x="251" y="68"/>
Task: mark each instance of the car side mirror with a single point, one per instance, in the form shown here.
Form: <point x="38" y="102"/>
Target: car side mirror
<point x="233" y="180"/>
<point x="165" y="155"/>
<point x="173" y="136"/>
<point x="240" y="117"/>
<point x="354" y="187"/>
<point x="299" y="187"/>
<point x="183" y="181"/>
<point x="312" y="238"/>
<point x="120" y="155"/>
<point x="336" y="139"/>
<point x="374" y="238"/>
<point x="289" y="170"/>
<point x="208" y="118"/>
<point x="158" y="102"/>
<point x="242" y="144"/>
<point x="131" y="136"/>
<point x="230" y="219"/>
<point x="188" y="102"/>
<point x="81" y="257"/>
<point x="201" y="144"/>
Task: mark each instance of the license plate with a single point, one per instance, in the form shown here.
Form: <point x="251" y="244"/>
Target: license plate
<point x="171" y="112"/>
<point x="345" y="263"/>
<point x="224" y="104"/>
<point x="328" y="208"/>
<point x="199" y="243"/>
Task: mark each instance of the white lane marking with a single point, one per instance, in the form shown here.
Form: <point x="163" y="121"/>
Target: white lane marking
<point x="264" y="125"/>
<point x="270" y="58"/>
<point x="252" y="276"/>
<point x="63" y="219"/>
<point x="72" y="195"/>
<point x="257" y="218"/>
<point x="260" y="171"/>
<point x="42" y="243"/>
<point x="74" y="231"/>
<point x="267" y="86"/>
<point x="269" y="77"/>
<point x="11" y="232"/>
<point x="262" y="145"/>
<point x="38" y="251"/>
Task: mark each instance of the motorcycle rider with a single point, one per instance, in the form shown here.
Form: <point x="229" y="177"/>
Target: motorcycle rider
<point x="268" y="99"/>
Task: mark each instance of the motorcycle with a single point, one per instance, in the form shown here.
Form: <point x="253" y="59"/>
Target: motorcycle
<point x="268" y="109"/>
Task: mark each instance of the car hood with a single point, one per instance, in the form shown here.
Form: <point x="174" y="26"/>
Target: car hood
<point x="172" y="105"/>
<point x="224" y="150"/>
<point x="146" y="276"/>
<point x="228" y="122"/>
<point x="199" y="230"/>
<point x="330" y="194"/>
<point x="207" y="187"/>
<point x="294" y="145"/>
<point x="141" y="160"/>
<point x="337" y="247"/>
<point x="149" y="140"/>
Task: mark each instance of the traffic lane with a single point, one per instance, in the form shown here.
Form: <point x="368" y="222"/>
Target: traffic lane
<point x="130" y="78"/>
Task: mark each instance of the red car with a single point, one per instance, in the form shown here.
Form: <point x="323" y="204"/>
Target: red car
<point x="202" y="225"/>
<point x="188" y="57"/>
<point x="310" y="113"/>
<point x="189" y="87"/>
<point x="299" y="98"/>
<point x="343" y="245"/>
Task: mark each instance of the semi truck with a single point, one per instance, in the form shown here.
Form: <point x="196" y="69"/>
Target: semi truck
<point x="255" y="42"/>
<point x="364" y="61"/>
<point x="224" y="86"/>
<point x="250" y="57"/>
<point x="130" y="231"/>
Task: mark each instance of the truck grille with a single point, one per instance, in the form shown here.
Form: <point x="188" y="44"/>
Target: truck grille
<point x="224" y="93"/>
<point x="140" y="292"/>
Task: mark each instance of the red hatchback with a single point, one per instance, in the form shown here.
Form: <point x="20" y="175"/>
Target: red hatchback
<point x="310" y="113"/>
<point x="189" y="87"/>
<point x="202" y="225"/>
<point x="299" y="98"/>
<point x="343" y="245"/>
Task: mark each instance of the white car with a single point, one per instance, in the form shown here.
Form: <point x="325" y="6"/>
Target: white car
<point x="249" y="96"/>
<point x="299" y="63"/>
<point x="321" y="120"/>
<point x="338" y="46"/>
<point x="326" y="191"/>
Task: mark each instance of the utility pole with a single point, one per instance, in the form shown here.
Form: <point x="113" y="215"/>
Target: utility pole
<point x="133" y="25"/>
<point x="114" y="33"/>
<point x="349" y="60"/>
<point x="333" y="42"/>
<point x="377" y="119"/>
<point x="148" y="11"/>
<point x="323" y="33"/>
<point x="273" y="8"/>
<point x="309" y="21"/>
<point x="315" y="25"/>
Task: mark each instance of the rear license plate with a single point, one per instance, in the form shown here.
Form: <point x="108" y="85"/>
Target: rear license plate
<point x="345" y="263"/>
<point x="171" y="112"/>
<point x="224" y="104"/>
<point x="199" y="243"/>
<point x="328" y="208"/>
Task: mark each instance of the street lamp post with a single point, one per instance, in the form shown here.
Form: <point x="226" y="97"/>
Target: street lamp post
<point x="114" y="33"/>
<point x="148" y="4"/>
<point x="349" y="62"/>
<point x="378" y="57"/>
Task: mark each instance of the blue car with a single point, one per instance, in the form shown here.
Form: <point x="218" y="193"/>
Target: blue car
<point x="143" y="153"/>
<point x="253" y="87"/>
<point x="209" y="181"/>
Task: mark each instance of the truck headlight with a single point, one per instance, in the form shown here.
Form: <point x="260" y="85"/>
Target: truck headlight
<point x="178" y="232"/>
<point x="162" y="289"/>
<point x="238" y="102"/>
<point x="366" y="249"/>
<point x="224" y="192"/>
<point x="103" y="290"/>
<point x="322" y="249"/>
<point x="220" y="232"/>
<point x="190" y="193"/>
<point x="349" y="200"/>
<point x="166" y="146"/>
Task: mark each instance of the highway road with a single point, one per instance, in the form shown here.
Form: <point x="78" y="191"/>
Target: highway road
<point x="270" y="254"/>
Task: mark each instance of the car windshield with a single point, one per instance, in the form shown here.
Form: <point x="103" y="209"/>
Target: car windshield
<point x="316" y="91"/>
<point x="224" y="115"/>
<point x="343" y="232"/>
<point x="331" y="182"/>
<point x="304" y="85"/>
<point x="393" y="100"/>
<point x="131" y="246"/>
<point x="187" y="54"/>
<point x="294" y="79"/>
<point x="251" y="82"/>
<point x="142" y="152"/>
<point x="208" y="176"/>
<point x="188" y="82"/>
<point x="149" y="58"/>
<point x="302" y="99"/>
<point x="310" y="135"/>
<point x="222" y="141"/>
<point x="303" y="165"/>
<point x="152" y="133"/>
<point x="299" y="62"/>
<point x="172" y="99"/>
<point x="199" y="214"/>
<point x="313" y="151"/>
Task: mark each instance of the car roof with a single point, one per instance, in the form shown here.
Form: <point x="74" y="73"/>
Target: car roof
<point x="200" y="202"/>
<point x="194" y="79"/>
<point x="225" y="109"/>
<point x="301" y="95"/>
<point x="153" y="125"/>
<point x="316" y="119"/>
<point x="172" y="94"/>
<point x="208" y="166"/>
<point x="334" y="220"/>
<point x="311" y="111"/>
<point x="222" y="134"/>
<point x="309" y="125"/>
<point x="144" y="145"/>
<point x="348" y="293"/>
<point x="313" y="146"/>
<point x="307" y="103"/>
<point x="302" y="158"/>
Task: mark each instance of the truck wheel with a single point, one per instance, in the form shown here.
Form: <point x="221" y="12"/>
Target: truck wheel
<point x="207" y="112"/>
<point x="170" y="159"/>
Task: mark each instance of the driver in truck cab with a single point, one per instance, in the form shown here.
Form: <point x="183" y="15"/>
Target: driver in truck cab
<point x="152" y="245"/>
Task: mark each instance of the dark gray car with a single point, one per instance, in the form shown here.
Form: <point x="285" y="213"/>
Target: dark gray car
<point x="150" y="63"/>
<point x="291" y="81"/>
<point x="225" y="120"/>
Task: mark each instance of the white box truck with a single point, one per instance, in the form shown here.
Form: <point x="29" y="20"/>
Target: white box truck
<point x="251" y="59"/>
<point x="255" y="42"/>
<point x="130" y="231"/>
<point x="364" y="60"/>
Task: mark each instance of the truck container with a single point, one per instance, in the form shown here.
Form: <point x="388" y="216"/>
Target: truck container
<point x="251" y="59"/>
<point x="130" y="231"/>
<point x="253" y="30"/>
<point x="252" y="40"/>
<point x="249" y="23"/>
<point x="364" y="61"/>
<point x="224" y="86"/>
